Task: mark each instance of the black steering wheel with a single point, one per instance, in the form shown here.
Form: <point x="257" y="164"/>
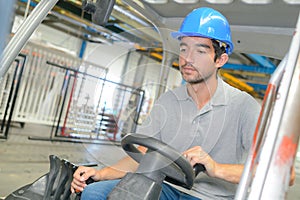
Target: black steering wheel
<point x="171" y="164"/>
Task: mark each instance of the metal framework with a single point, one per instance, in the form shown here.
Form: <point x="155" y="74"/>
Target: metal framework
<point x="268" y="168"/>
<point x="24" y="32"/>
<point x="5" y="15"/>
<point x="7" y="102"/>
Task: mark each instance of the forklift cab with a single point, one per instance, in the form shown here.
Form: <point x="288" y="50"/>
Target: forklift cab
<point x="257" y="29"/>
<point x="161" y="162"/>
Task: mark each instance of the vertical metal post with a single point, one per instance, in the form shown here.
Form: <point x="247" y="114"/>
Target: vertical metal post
<point x="82" y="49"/>
<point x="69" y="104"/>
<point x="23" y="34"/>
<point x="15" y="96"/>
<point x="138" y="110"/>
<point x="271" y="163"/>
<point x="64" y="92"/>
<point x="167" y="61"/>
<point x="259" y="135"/>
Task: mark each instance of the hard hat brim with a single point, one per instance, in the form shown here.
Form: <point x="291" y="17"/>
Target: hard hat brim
<point x="179" y="35"/>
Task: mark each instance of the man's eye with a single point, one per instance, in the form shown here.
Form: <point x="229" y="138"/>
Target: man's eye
<point x="182" y="50"/>
<point x="201" y="51"/>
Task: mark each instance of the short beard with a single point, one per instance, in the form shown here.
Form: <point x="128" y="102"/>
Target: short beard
<point x="196" y="81"/>
<point x="200" y="80"/>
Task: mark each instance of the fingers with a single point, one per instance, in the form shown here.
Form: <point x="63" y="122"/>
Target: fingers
<point x="78" y="174"/>
<point x="195" y="151"/>
<point x="194" y="155"/>
<point x="197" y="155"/>
<point x="77" y="186"/>
<point x="79" y="178"/>
<point x="84" y="173"/>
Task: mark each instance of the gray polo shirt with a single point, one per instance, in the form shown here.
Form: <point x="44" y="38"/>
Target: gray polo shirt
<point x="223" y="128"/>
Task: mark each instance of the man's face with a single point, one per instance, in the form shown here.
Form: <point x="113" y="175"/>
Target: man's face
<point x="196" y="59"/>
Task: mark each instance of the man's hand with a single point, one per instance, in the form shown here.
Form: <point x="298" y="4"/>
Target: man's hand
<point x="228" y="172"/>
<point x="197" y="155"/>
<point x="80" y="176"/>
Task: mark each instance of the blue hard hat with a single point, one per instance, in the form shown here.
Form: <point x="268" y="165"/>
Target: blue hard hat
<point x="208" y="23"/>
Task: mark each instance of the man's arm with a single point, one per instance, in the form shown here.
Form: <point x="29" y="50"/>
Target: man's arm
<point x="228" y="172"/>
<point x="116" y="171"/>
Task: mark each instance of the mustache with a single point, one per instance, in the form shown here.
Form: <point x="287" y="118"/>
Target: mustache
<point x="188" y="65"/>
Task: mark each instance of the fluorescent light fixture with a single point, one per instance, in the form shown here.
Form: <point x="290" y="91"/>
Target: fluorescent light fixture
<point x="156" y="1"/>
<point x="257" y="1"/>
<point x="292" y="1"/>
<point x="186" y="1"/>
<point x="220" y="1"/>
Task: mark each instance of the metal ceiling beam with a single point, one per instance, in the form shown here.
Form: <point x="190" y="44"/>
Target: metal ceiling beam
<point x="262" y="61"/>
<point x="135" y="26"/>
<point x="258" y="87"/>
<point x="129" y="27"/>
<point x="249" y="68"/>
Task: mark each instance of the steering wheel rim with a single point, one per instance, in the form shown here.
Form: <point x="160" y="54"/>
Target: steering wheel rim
<point x="130" y="140"/>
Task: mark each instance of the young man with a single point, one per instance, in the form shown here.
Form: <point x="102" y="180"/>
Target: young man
<point x="207" y="120"/>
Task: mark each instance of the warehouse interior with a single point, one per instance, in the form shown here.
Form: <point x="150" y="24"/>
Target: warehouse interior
<point x="82" y="80"/>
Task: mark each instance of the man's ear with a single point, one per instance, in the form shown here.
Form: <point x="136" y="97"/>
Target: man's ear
<point x="222" y="60"/>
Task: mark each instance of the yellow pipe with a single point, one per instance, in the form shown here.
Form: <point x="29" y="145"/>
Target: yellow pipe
<point x="237" y="83"/>
<point x="156" y="55"/>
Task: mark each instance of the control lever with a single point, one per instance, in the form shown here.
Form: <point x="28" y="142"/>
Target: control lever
<point x="198" y="168"/>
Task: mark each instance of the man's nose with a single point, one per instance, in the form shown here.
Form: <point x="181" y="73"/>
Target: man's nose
<point x="189" y="58"/>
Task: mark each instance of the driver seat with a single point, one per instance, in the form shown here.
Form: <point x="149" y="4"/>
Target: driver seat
<point x="55" y="185"/>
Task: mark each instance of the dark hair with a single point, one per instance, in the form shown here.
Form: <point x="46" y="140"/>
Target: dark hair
<point x="219" y="49"/>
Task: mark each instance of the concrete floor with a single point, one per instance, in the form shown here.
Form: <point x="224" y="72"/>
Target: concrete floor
<point x="24" y="160"/>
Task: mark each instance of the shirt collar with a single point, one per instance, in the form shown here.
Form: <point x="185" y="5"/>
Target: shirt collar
<point x="219" y="98"/>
